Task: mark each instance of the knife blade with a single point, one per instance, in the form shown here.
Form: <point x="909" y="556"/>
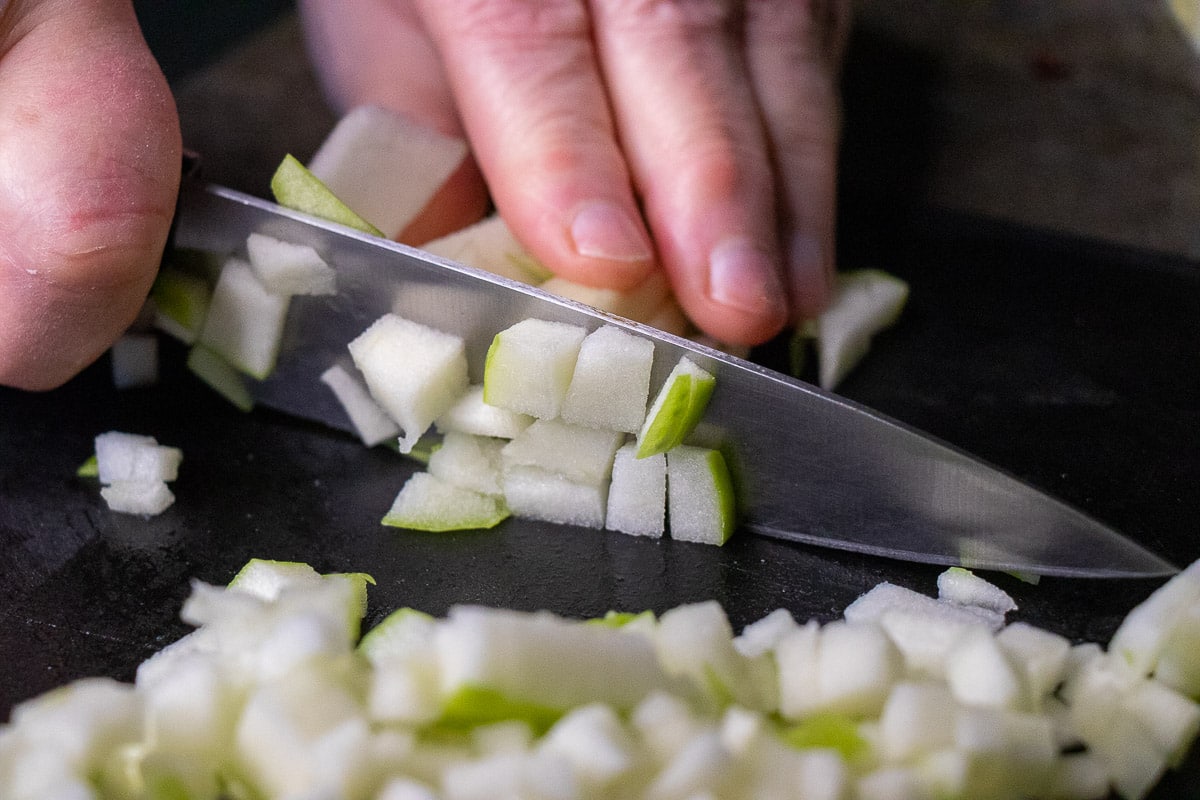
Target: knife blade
<point x="809" y="466"/>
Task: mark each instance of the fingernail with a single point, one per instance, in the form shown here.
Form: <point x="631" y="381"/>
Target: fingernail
<point x="603" y="230"/>
<point x="810" y="277"/>
<point x="743" y="277"/>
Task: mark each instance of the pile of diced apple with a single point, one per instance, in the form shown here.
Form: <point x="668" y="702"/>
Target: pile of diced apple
<point x="561" y="429"/>
<point x="908" y="697"/>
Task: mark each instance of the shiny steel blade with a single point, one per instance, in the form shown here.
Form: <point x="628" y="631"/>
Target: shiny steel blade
<point x="809" y="466"/>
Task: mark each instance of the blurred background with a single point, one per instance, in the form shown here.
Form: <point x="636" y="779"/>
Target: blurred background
<point x="1077" y="116"/>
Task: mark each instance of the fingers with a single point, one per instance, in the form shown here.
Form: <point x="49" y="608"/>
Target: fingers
<point x="690" y="128"/>
<point x="793" y="54"/>
<point x="531" y="97"/>
<point x="90" y="159"/>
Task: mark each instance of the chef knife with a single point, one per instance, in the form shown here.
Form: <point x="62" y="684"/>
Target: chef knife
<point x="809" y="466"/>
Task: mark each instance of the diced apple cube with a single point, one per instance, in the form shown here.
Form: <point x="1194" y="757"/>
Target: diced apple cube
<point x="924" y="629"/>
<point x="529" y="366"/>
<point x="761" y="636"/>
<point x="536" y="493"/>
<point x="245" y="321"/>
<point x="611" y="382"/>
<point x="796" y="655"/>
<point x="472" y="415"/>
<point x="289" y="269"/>
<point x="582" y="455"/>
<point x="637" y="495"/>
<point x="979" y="672"/>
<point x="1179" y="663"/>
<point x="856" y="667"/>
<point x="592" y="739"/>
<point x="428" y="503"/>
<point x="676" y="409"/>
<point x="964" y="588"/>
<point x="294" y="186"/>
<point x="385" y="166"/>
<point x="370" y="421"/>
<point x="490" y="245"/>
<point x="413" y="371"/>
<point x="695" y="770"/>
<point x="695" y="640"/>
<point x="544" y="659"/>
<point x="472" y="462"/>
<point x="1040" y="656"/>
<point x="1144" y="632"/>
<point x="1171" y="720"/>
<point x="133" y="457"/>
<point x="918" y="718"/>
<point x="865" y="302"/>
<point x="700" y="501"/>
<point x="146" y="498"/>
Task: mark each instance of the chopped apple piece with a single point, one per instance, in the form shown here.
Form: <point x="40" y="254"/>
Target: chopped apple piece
<point x="428" y="503"/>
<point x="1145" y="631"/>
<point x="544" y="659"/>
<point x="385" y="166"/>
<point x="676" y="409"/>
<point x="611" y="381"/>
<point x="472" y="415"/>
<point x="145" y="498"/>
<point x="582" y="455"/>
<point x="289" y="269"/>
<point x="865" y="302"/>
<point x="964" y="588"/>
<point x="700" y="503"/>
<point x="472" y="462"/>
<point x="294" y="187"/>
<point x="133" y="457"/>
<point x="536" y="493"/>
<point x="637" y="495"/>
<point x="490" y="245"/>
<point x="413" y="371"/>
<point x="1039" y="655"/>
<point x="1179" y="662"/>
<point x="370" y="421"/>
<point x="245" y="321"/>
<point x="529" y="366"/>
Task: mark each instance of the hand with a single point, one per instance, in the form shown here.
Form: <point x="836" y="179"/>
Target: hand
<point x="89" y="171"/>
<point x="620" y="135"/>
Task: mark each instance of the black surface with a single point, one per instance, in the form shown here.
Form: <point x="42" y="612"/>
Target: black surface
<point x="1072" y="365"/>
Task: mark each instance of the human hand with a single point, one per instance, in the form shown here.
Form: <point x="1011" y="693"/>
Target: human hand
<point x="618" y="136"/>
<point x="89" y="171"/>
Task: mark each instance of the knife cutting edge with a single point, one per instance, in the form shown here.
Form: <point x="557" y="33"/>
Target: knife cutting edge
<point x="808" y="466"/>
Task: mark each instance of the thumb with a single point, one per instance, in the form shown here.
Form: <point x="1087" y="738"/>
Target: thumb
<point x="90" y="158"/>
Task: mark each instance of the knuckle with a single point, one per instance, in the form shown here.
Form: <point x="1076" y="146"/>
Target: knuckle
<point x="671" y="16"/>
<point x="720" y="166"/>
<point x="518" y="20"/>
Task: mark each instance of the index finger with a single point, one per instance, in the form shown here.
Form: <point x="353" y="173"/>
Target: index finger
<point x="531" y="98"/>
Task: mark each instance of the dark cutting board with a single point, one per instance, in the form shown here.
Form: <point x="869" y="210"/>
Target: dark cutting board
<point x="1071" y="364"/>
